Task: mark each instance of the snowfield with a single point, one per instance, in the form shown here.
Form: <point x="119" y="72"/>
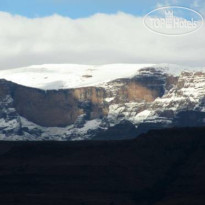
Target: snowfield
<point x="63" y="76"/>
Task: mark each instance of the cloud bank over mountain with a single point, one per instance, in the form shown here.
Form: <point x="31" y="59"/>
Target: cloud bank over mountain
<point x="98" y="39"/>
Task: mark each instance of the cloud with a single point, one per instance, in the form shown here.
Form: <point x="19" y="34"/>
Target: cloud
<point x="99" y="39"/>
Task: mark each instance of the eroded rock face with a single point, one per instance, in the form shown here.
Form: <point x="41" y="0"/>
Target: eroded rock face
<point x="9" y="119"/>
<point x="151" y="99"/>
<point x="63" y="107"/>
<point x="58" y="108"/>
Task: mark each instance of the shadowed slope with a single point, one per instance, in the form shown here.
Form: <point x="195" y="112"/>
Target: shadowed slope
<point x="162" y="167"/>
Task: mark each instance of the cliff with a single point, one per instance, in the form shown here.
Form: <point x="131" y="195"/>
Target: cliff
<point x="151" y="99"/>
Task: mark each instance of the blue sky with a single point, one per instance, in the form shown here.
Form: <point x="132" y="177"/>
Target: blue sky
<point x="84" y="8"/>
<point x="85" y="38"/>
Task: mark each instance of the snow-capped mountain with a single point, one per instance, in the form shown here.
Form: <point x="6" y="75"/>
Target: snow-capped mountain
<point x="77" y="102"/>
<point x="65" y="76"/>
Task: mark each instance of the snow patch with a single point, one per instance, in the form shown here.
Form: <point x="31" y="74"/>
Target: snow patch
<point x="63" y="76"/>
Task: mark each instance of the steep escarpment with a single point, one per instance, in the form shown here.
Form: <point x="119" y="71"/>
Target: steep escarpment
<point x="59" y="108"/>
<point x="54" y="108"/>
<point x="63" y="107"/>
<point x="147" y="85"/>
<point x="10" y="122"/>
<point x="150" y="99"/>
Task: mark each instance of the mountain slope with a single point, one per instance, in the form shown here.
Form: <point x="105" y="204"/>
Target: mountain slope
<point x="162" y="167"/>
<point x="150" y="97"/>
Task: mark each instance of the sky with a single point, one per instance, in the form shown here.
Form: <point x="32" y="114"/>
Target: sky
<point x="84" y="8"/>
<point x="92" y="32"/>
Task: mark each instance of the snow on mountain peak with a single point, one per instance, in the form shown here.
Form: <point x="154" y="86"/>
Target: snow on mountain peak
<point x="63" y="76"/>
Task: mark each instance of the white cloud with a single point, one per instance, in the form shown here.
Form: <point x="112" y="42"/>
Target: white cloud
<point x="99" y="39"/>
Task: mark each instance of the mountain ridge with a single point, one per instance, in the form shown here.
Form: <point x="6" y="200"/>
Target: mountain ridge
<point x="149" y="99"/>
<point x="66" y="76"/>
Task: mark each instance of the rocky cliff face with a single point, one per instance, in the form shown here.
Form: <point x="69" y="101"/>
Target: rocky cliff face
<point x="59" y="108"/>
<point x="151" y="99"/>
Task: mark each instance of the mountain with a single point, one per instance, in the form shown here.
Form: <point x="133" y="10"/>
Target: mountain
<point x="162" y="167"/>
<point x="78" y="102"/>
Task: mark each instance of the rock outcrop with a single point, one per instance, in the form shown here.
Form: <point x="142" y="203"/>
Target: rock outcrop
<point x="151" y="99"/>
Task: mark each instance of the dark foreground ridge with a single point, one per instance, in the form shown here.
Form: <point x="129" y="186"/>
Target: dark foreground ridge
<point x="164" y="167"/>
